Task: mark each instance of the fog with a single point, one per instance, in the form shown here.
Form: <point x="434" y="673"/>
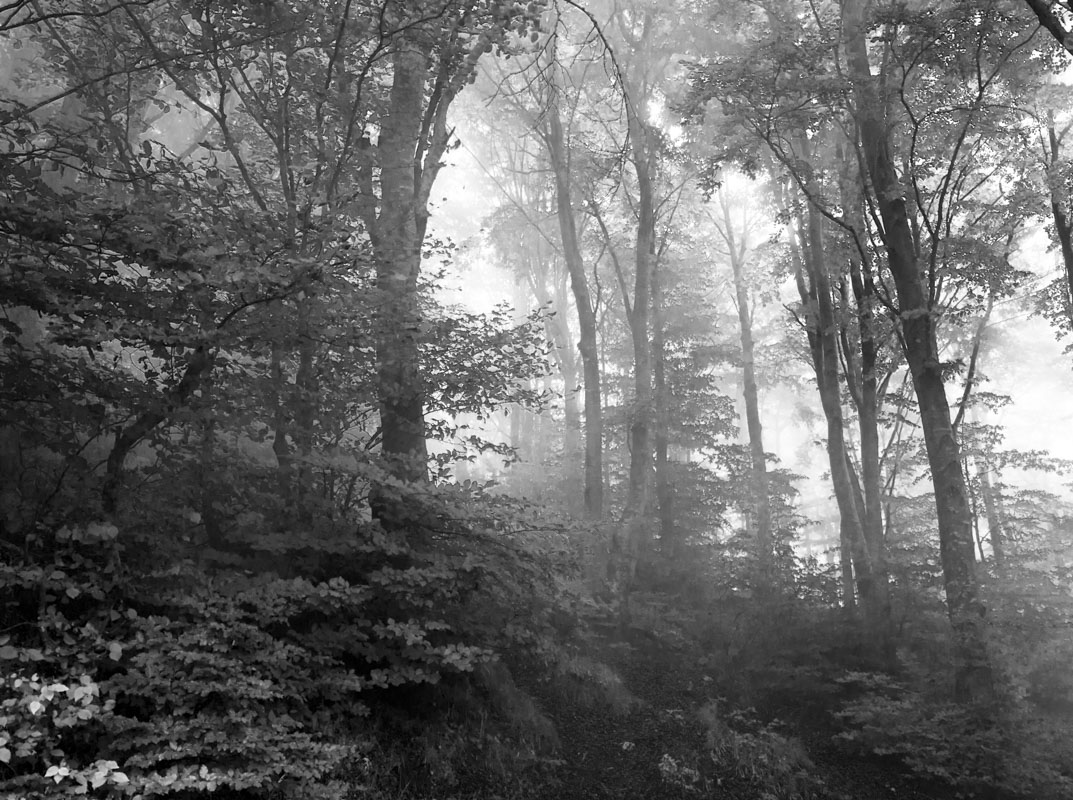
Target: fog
<point x="610" y="399"/>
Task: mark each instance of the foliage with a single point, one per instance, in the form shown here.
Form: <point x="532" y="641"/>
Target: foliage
<point x="189" y="675"/>
<point x="773" y="765"/>
<point x="971" y="748"/>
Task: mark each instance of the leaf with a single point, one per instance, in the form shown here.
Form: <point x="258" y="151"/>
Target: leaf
<point x="115" y="651"/>
<point x="8" y="653"/>
<point x="102" y="531"/>
<point x="5" y="755"/>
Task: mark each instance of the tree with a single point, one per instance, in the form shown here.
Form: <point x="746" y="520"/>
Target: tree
<point x="1052" y="16"/>
<point x="559" y="154"/>
<point x="436" y="47"/>
<point x="905" y="254"/>
<point x="737" y="230"/>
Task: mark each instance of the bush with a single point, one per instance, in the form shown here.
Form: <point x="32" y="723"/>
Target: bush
<point x="971" y="748"/>
<point x="775" y="766"/>
<point x="299" y="665"/>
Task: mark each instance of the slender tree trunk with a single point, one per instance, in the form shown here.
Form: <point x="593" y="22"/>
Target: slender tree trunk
<point x="814" y="289"/>
<point x="640" y="436"/>
<point x="559" y="334"/>
<point x="669" y="534"/>
<point x="973" y="677"/>
<point x="572" y="415"/>
<point x="765" y="544"/>
<point x="845" y="563"/>
<point x="816" y="297"/>
<point x="631" y="540"/>
<point x="572" y="418"/>
<point x="873" y="590"/>
<point x="996" y="532"/>
<point x="579" y="284"/>
<point x="631" y="537"/>
<point x="281" y="448"/>
<point x="306" y="399"/>
<point x="867" y="398"/>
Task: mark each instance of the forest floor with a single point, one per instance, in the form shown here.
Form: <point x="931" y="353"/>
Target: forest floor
<point x="607" y="755"/>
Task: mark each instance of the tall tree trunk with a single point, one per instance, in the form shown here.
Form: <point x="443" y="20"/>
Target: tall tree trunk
<point x="973" y="679"/>
<point x="865" y="390"/>
<point x="631" y="537"/>
<point x="765" y="543"/>
<point x="306" y="400"/>
<point x="671" y="544"/>
<point x="815" y="295"/>
<point x="1062" y="226"/>
<point x="640" y="435"/>
<point x="398" y="244"/>
<point x="809" y="261"/>
<point x="587" y="324"/>
<point x="631" y="540"/>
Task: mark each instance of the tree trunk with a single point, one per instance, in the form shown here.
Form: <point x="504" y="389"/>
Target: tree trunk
<point x="973" y="677"/>
<point x="823" y="343"/>
<point x="306" y="401"/>
<point x="867" y="398"/>
<point x="671" y="544"/>
<point x="993" y="510"/>
<point x="631" y="539"/>
<point x="640" y="320"/>
<point x="845" y="563"/>
<point x="765" y="544"/>
<point x="579" y="284"/>
<point x="398" y="262"/>
<point x="1062" y="226"/>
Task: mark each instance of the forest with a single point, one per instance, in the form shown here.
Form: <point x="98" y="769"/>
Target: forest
<point x="457" y="399"/>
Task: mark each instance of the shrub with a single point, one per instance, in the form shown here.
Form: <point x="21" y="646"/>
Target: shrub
<point x="968" y="747"/>
<point x="294" y="666"/>
<point x="777" y="767"/>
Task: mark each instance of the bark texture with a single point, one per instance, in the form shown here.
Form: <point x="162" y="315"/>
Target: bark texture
<point x="579" y="284"/>
<point x="973" y="676"/>
<point x="398" y="240"/>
